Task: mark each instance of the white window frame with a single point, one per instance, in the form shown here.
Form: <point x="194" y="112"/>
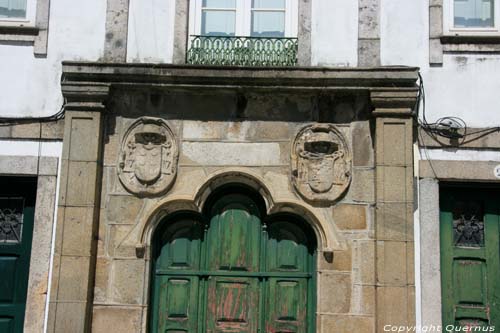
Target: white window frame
<point x="244" y="18"/>
<point x="448" y="22"/>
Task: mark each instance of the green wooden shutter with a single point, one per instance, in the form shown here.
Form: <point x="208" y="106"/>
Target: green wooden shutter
<point x="233" y="248"/>
<point x="177" y="278"/>
<point x="470" y="253"/>
<point x="288" y="262"/>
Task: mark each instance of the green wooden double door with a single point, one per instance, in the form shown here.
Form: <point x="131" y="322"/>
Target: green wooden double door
<point x="233" y="273"/>
<point x="17" y="205"/>
<point x="470" y="256"/>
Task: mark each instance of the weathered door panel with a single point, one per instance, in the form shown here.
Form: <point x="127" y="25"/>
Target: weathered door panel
<point x="235" y="274"/>
<point x="287" y="248"/>
<point x="177" y="279"/>
<point x="232" y="305"/>
<point x="286" y="309"/>
<point x="178" y="304"/>
<point x="182" y="247"/>
<point x="234" y="237"/>
<point x="470" y="257"/>
<point x="17" y="201"/>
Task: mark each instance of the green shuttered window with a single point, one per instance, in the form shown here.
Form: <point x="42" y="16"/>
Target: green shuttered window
<point x="239" y="272"/>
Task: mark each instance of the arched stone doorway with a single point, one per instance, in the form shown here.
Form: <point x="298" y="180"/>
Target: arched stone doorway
<point x="233" y="268"/>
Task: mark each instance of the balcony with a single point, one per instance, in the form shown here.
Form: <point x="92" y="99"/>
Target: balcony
<point x="242" y="51"/>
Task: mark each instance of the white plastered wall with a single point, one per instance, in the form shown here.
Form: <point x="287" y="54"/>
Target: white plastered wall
<point x="465" y="86"/>
<point x="151" y="31"/>
<point x="334" y="33"/>
<point x="30" y="86"/>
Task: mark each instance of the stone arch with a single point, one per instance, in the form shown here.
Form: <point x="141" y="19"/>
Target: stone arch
<point x="235" y="176"/>
<point x="327" y="240"/>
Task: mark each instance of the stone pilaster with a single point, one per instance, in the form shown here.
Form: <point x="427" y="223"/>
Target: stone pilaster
<point x="115" y="44"/>
<point x="394" y="266"/>
<point x="77" y="223"/>
<point x="304" y="32"/>
<point x="435" y="32"/>
<point x="430" y="252"/>
<point x="181" y="31"/>
<point x="369" y="33"/>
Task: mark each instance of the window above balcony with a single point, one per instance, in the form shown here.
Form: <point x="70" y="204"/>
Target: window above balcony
<point x="243" y="32"/>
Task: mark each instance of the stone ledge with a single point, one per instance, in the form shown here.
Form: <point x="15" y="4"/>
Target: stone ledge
<point x="19" y="30"/>
<point x="239" y="77"/>
<point x="458" y="170"/>
<point x="470" y="39"/>
<point x="18" y="33"/>
<point x="33" y="130"/>
<point x="471" y="43"/>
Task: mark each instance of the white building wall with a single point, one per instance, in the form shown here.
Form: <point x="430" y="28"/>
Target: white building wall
<point x="30" y="87"/>
<point x="404" y="31"/>
<point x="334" y="33"/>
<point x="150" y="31"/>
<point x="465" y="86"/>
<point x="462" y="87"/>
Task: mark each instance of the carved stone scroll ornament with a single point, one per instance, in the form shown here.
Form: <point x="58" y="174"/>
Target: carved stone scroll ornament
<point x="148" y="157"/>
<point x="321" y="163"/>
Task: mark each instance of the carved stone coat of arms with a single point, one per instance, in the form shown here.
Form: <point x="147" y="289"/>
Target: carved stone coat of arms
<point x="321" y="163"/>
<point x="148" y="158"/>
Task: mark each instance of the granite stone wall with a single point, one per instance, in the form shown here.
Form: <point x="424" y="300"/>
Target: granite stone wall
<point x="230" y="137"/>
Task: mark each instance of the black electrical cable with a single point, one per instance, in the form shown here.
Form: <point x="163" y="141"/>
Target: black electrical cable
<point x="450" y="127"/>
<point x="7" y="121"/>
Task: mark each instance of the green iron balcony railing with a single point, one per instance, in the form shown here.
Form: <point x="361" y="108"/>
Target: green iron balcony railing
<point x="242" y="51"/>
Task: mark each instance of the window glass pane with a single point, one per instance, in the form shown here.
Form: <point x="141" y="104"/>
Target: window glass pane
<point x="268" y="4"/>
<point x="12" y="8"/>
<point x="218" y="23"/>
<point x="473" y="13"/>
<point x="219" y="3"/>
<point x="268" y="24"/>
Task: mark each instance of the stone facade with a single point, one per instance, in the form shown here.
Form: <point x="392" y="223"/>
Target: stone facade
<point x="229" y="135"/>
<point x="339" y="146"/>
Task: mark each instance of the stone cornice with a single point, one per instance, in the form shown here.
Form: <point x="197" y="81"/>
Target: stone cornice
<point x="391" y="87"/>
